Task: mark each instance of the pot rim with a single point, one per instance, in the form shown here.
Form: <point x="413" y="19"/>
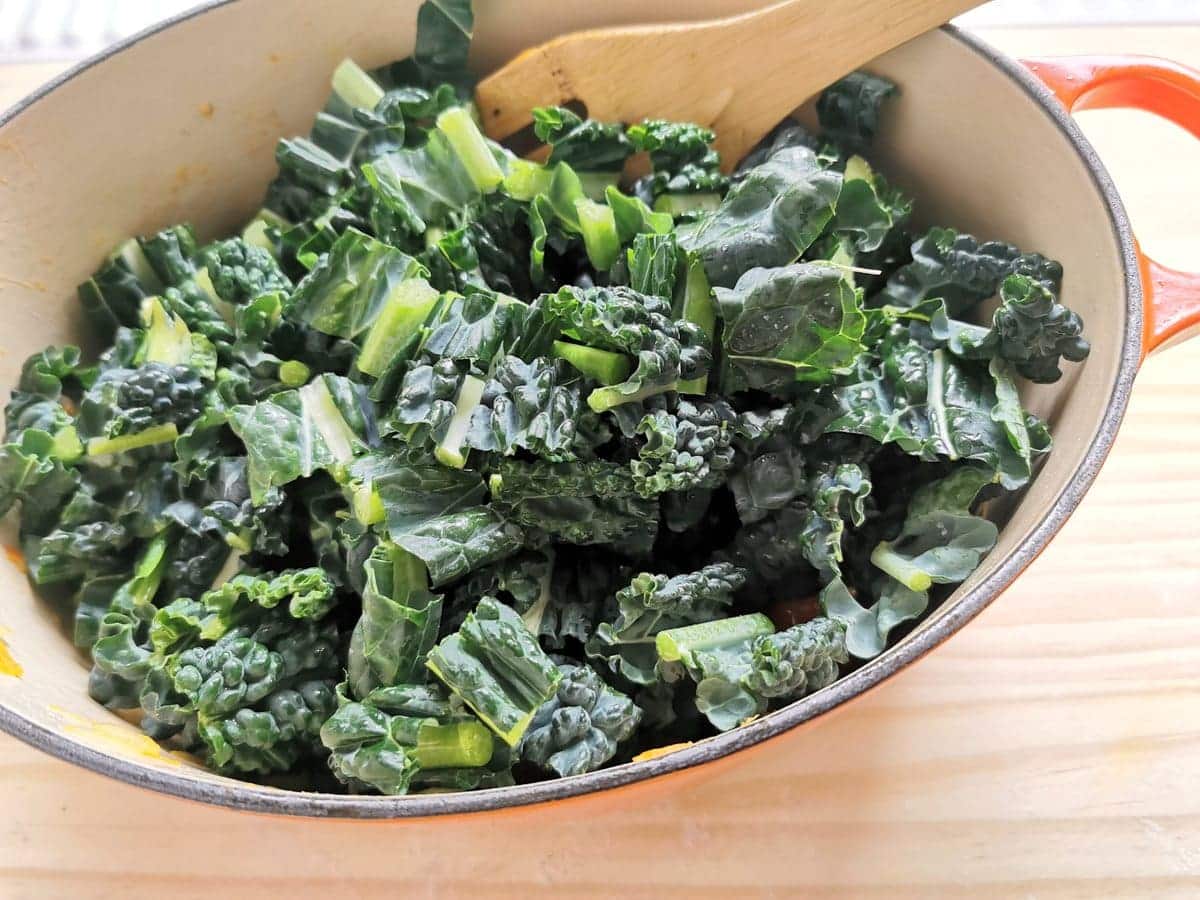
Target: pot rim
<point x="254" y="798"/>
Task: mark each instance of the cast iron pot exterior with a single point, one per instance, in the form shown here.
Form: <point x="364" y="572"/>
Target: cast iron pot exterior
<point x="62" y="721"/>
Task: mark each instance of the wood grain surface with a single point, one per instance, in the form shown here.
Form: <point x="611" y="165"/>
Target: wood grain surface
<point x="1049" y="750"/>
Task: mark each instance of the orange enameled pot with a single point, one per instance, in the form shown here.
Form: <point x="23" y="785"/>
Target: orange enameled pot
<point x="179" y="123"/>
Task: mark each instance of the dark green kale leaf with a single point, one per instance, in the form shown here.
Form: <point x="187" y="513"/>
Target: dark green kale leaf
<point x="941" y="542"/>
<point x="768" y="218"/>
<point x="578" y="729"/>
<point x="688" y="447"/>
<point x="112" y="297"/>
<point x="870" y="213"/>
<point x="240" y="271"/>
<point x="121" y="653"/>
<point x="932" y="405"/>
<point x="739" y="666"/>
<point x="537" y="407"/>
<point x="85" y="542"/>
<point x="801" y="322"/>
<point x="404" y="734"/>
<point x="589" y="502"/>
<point x="620" y="320"/>
<point x="683" y="160"/>
<point x="403" y="495"/>
<point x="34" y="472"/>
<point x="246" y="665"/>
<point x="1030" y="329"/>
<point x="961" y="271"/>
<point x="399" y="623"/>
<point x="293" y="434"/>
<point x="849" y="109"/>
<point x="349" y="287"/>
<point x="788" y="133"/>
<point x="653" y="603"/>
<point x="586" y="145"/>
<point x="837" y="495"/>
<point x="494" y="664"/>
<point x="275" y="738"/>
<point x="521" y="581"/>
<point x="654" y="263"/>
<point x="48" y="379"/>
<point x="455" y="544"/>
<point x="128" y="401"/>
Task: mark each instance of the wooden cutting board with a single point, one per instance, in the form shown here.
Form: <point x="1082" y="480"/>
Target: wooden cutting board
<point x="1049" y="750"/>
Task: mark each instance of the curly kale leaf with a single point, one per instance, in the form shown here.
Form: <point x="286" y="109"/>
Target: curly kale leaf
<point x="306" y="594"/>
<point x="399" y="623"/>
<point x="125" y="402"/>
<point x="654" y="603"/>
<point x="477" y="327"/>
<point x="121" y="653"/>
<point x="621" y="320"/>
<point x="768" y="218"/>
<point x="801" y="322"/>
<point x="48" y="379"/>
<point x="199" y="550"/>
<point x="494" y="664"/>
<point x="940" y="542"/>
<point x="578" y="729"/>
<point x="433" y="397"/>
<point x="245" y="665"/>
<point x="586" y="145"/>
<point x="739" y="666"/>
<point x="682" y="157"/>
<point x="837" y="495"/>
<point x="1030" y="329"/>
<point x="34" y="472"/>
<point x="849" y="109"/>
<point x="932" y="405"/>
<point x="241" y="272"/>
<point x="686" y="448"/>
<point x="243" y="602"/>
<point x="536" y="406"/>
<point x="961" y="271"/>
<point x="254" y="699"/>
<point x="275" y="738"/>
<point x="245" y="525"/>
<point x="590" y="502"/>
<point x="75" y="549"/>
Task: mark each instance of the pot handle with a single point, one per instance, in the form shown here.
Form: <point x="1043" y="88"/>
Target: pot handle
<point x="1169" y="90"/>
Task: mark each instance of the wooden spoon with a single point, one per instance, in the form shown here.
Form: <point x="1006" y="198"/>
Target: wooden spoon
<point x="739" y="75"/>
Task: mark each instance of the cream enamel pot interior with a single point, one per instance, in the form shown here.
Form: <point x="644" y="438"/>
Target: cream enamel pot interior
<point x="179" y="124"/>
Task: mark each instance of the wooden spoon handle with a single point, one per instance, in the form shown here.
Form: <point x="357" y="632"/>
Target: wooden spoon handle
<point x="780" y="56"/>
<point x="738" y="75"/>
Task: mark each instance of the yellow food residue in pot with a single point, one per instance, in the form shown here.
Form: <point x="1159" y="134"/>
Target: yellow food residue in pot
<point x="115" y="736"/>
<point x="8" y="665"/>
<point x="17" y="558"/>
<point x="656" y="752"/>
